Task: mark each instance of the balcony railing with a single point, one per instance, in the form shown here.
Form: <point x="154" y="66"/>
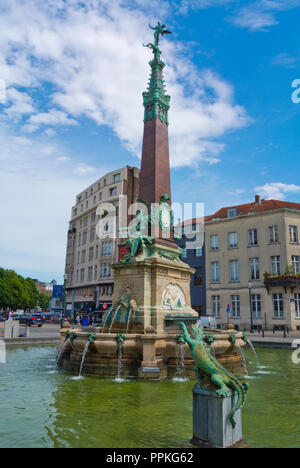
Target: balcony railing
<point x="284" y="281"/>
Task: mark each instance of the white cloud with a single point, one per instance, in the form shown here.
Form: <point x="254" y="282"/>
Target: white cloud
<point x="286" y="60"/>
<point x="84" y="169"/>
<point x="19" y="104"/>
<point x="63" y="61"/>
<point x="261" y="14"/>
<point x="276" y="190"/>
<point x="94" y="59"/>
<point x="37" y="193"/>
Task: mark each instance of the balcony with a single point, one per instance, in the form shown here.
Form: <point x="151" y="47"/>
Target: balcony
<point x="283" y="281"/>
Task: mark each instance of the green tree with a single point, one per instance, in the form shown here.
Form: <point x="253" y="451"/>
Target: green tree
<point x="44" y="301"/>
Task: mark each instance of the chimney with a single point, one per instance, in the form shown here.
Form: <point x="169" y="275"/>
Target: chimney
<point x="257" y="199"/>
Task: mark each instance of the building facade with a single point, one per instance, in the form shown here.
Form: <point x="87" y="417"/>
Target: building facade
<point x="91" y="250"/>
<point x="194" y="256"/>
<point x="253" y="265"/>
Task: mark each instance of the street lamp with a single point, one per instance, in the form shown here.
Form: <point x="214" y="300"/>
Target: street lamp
<point x="250" y="305"/>
<point x="64" y="301"/>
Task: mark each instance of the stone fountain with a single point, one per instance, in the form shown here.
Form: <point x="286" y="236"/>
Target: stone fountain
<point x="152" y="283"/>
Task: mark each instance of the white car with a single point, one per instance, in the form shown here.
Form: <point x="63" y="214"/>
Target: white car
<point x="208" y="322"/>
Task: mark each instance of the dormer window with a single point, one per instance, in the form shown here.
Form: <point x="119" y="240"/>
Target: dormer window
<point x="232" y="213"/>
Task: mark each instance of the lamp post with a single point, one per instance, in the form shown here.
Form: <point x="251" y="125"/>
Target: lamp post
<point x="64" y="301"/>
<point x="250" y="305"/>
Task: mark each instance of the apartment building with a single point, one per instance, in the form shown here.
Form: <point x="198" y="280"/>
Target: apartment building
<point x="90" y="250"/>
<point x="194" y="256"/>
<point x="253" y="264"/>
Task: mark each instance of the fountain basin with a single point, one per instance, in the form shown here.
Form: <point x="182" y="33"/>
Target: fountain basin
<point x="146" y="356"/>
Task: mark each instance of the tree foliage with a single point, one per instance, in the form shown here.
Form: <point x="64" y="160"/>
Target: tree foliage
<point x="17" y="292"/>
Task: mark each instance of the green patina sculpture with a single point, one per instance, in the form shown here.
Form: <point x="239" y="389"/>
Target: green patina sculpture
<point x="159" y="30"/>
<point x="180" y="339"/>
<point x="232" y="339"/>
<point x="72" y="336"/>
<point x="138" y="242"/>
<point x="245" y="337"/>
<point x="156" y="101"/>
<point x="208" y="366"/>
<point x="92" y="337"/>
<point x="209" y="339"/>
<point x="120" y="338"/>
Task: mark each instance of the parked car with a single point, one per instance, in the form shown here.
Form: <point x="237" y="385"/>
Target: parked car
<point x="3" y="316"/>
<point x="31" y="320"/>
<point x="208" y="322"/>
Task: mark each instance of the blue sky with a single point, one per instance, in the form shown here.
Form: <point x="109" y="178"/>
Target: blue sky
<point x="74" y="73"/>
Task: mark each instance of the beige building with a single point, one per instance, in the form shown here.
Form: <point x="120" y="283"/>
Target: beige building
<point x="243" y="244"/>
<point x="90" y="249"/>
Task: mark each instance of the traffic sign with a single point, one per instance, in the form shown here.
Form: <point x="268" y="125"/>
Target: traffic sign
<point x="104" y="306"/>
<point x="228" y="309"/>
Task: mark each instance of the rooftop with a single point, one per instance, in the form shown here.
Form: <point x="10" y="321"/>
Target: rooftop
<point x="257" y="206"/>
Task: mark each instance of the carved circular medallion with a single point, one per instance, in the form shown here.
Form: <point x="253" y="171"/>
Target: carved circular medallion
<point x="173" y="298"/>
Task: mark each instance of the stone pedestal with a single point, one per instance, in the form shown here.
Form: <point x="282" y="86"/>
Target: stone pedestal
<point x="11" y="329"/>
<point x="159" y="286"/>
<point x="211" y="424"/>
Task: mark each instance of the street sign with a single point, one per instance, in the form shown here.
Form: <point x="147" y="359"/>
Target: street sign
<point x="58" y="292"/>
<point x="228" y="309"/>
<point x="104" y="306"/>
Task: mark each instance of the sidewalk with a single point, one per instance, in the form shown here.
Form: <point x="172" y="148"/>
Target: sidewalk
<point x="47" y="334"/>
<point x="276" y="340"/>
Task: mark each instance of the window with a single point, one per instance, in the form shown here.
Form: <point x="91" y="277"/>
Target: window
<point x="294" y="234"/>
<point x="117" y="178"/>
<point x="91" y="254"/>
<point x="235" y="306"/>
<point x="256" y="305"/>
<point x="275" y="265"/>
<point x="82" y="274"/>
<point x="87" y="204"/>
<point x="96" y="272"/>
<point x="92" y="234"/>
<point x="297" y="304"/>
<point x="93" y="217"/>
<point x="232" y="213"/>
<point x="85" y="221"/>
<point x="254" y="268"/>
<point x="278" y="305"/>
<point x="273" y="234"/>
<point x="252" y="237"/>
<point x="215" y="306"/>
<point x="105" y="270"/>
<point x="97" y="252"/>
<point x="75" y="212"/>
<point x="215" y="272"/>
<point x="232" y="240"/>
<point x="234" y="270"/>
<point x="295" y="263"/>
<point x="106" y="249"/>
<point x="198" y="279"/>
<point x="113" y="191"/>
<point x="90" y="273"/>
<point x="214" y="242"/>
<point x="198" y="252"/>
<point x="77" y="276"/>
<point x="84" y="237"/>
<point x="100" y="196"/>
<point x="184" y="253"/>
